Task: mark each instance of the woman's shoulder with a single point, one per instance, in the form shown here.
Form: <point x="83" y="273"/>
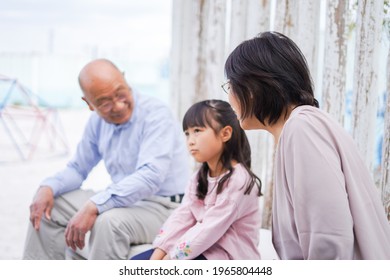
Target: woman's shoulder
<point x="308" y="119"/>
<point x="309" y="114"/>
<point x="303" y="114"/>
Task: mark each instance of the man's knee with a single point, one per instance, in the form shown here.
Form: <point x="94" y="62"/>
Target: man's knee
<point x="111" y="225"/>
<point x="109" y="219"/>
<point x="123" y="224"/>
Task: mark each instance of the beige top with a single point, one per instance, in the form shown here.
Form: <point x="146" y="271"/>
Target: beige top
<point x="326" y="205"/>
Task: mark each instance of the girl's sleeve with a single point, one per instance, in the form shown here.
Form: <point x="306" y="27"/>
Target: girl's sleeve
<point x="216" y="221"/>
<point x="177" y="223"/>
<point x="316" y="187"/>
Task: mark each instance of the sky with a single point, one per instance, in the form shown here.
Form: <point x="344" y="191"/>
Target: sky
<point x="74" y="26"/>
<point x="45" y="43"/>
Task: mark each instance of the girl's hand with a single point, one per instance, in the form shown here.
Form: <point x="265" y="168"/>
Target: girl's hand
<point x="166" y="257"/>
<point x="158" y="254"/>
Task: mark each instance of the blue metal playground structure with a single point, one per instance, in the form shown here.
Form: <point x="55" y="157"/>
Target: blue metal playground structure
<point x="29" y="128"/>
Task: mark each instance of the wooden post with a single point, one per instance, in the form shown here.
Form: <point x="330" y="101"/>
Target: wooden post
<point x="249" y="18"/>
<point x="299" y="20"/>
<point x="368" y="39"/>
<point x="385" y="176"/>
<point x="197" y="51"/>
<point x="335" y="59"/>
<point x="185" y="41"/>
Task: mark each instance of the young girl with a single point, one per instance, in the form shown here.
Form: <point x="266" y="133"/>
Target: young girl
<point x="219" y="217"/>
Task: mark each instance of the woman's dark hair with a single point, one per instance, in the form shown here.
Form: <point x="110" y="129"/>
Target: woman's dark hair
<point x="218" y="114"/>
<point x="267" y="74"/>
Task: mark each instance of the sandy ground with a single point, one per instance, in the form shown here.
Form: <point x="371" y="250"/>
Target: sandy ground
<point x="20" y="179"/>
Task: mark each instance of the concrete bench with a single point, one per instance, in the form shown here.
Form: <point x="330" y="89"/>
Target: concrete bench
<point x="266" y="248"/>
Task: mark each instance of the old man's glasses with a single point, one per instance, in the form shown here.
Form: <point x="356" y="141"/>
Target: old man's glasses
<point x="107" y="105"/>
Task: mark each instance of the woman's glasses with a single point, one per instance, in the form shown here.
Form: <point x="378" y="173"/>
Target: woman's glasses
<point x="226" y="86"/>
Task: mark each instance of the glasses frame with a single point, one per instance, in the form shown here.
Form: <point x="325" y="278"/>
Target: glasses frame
<point x="109" y="104"/>
<point x="224" y="85"/>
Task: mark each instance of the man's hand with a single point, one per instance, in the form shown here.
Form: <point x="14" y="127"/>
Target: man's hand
<point x="80" y="224"/>
<point x="42" y="204"/>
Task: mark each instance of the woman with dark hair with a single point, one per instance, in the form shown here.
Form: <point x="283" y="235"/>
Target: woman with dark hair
<point x="325" y="203"/>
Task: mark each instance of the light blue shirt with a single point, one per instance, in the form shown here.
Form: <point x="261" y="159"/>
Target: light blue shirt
<point x="145" y="156"/>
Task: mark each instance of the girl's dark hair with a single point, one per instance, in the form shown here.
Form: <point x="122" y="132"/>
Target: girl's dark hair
<point x="218" y="114"/>
<point x="267" y="74"/>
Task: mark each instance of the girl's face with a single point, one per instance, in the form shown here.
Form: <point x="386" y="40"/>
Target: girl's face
<point x="204" y="144"/>
<point x="247" y="123"/>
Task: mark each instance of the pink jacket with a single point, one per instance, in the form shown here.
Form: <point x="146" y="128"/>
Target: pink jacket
<point x="221" y="227"/>
<point x="326" y="205"/>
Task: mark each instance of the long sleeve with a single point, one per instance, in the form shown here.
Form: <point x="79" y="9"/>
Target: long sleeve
<point x="312" y="184"/>
<point x="181" y="220"/>
<point x="320" y="201"/>
<point x="146" y="155"/>
<point x="326" y="205"/>
<point x="221" y="226"/>
<point x="86" y="157"/>
<point x="206" y="232"/>
<point x="151" y="167"/>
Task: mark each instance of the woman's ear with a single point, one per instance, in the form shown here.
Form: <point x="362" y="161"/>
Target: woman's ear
<point x="226" y="133"/>
<point x="89" y="105"/>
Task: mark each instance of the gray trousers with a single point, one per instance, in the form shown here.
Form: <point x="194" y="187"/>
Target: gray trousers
<point x="112" y="235"/>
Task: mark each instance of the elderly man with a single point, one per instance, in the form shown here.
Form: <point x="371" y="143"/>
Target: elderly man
<point x="144" y="152"/>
